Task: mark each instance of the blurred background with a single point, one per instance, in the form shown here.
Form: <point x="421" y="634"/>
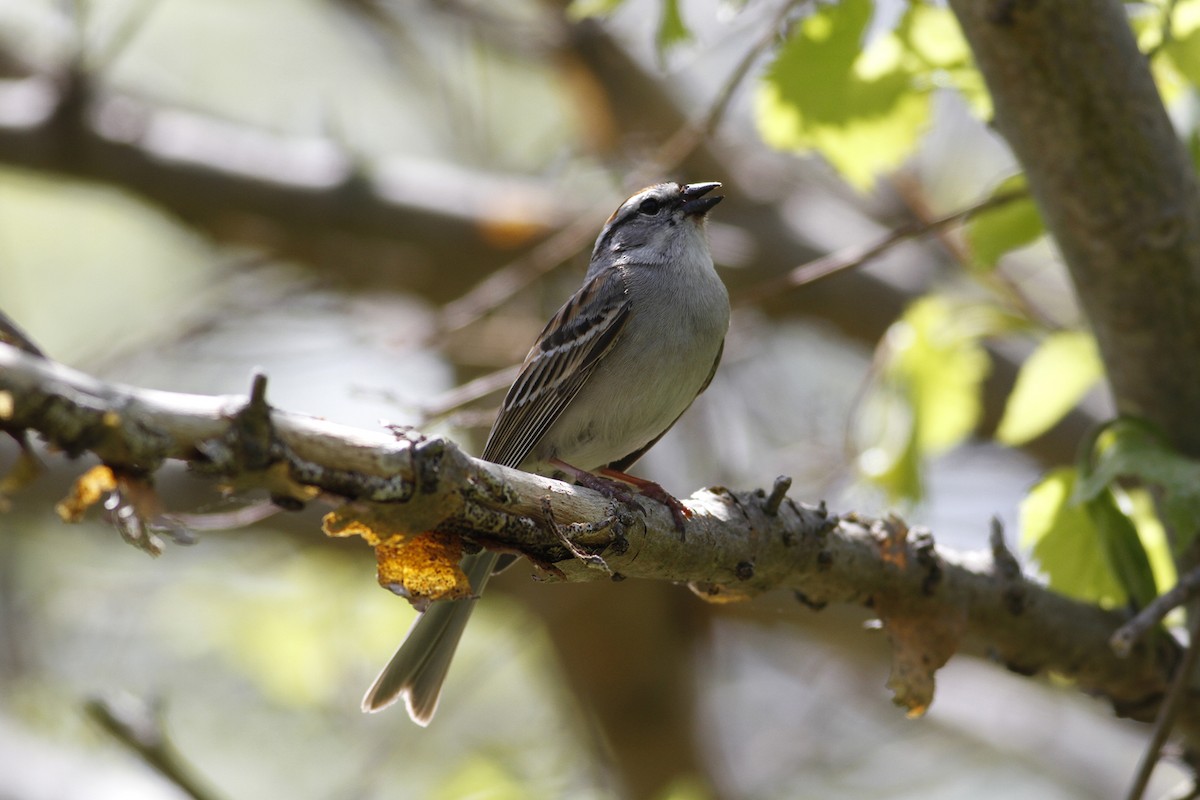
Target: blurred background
<point x="376" y="202"/>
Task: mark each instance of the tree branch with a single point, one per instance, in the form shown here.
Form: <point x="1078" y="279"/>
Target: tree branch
<point x="1077" y="103"/>
<point x="737" y="544"/>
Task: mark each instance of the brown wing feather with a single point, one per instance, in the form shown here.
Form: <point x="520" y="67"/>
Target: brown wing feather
<point x="557" y="367"/>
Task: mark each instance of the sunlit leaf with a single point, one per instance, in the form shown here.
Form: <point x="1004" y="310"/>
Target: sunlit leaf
<point x="939" y="356"/>
<point x="1184" y="54"/>
<point x="297" y="625"/>
<point x="1183" y="49"/>
<point x="992" y="233"/>
<point x="484" y="776"/>
<point x="890" y="458"/>
<point x="1051" y="382"/>
<point x="671" y="28"/>
<point x="1122" y="547"/>
<point x="856" y="106"/>
<point x="926" y="398"/>
<point x="1129" y="448"/>
<point x="940" y="56"/>
<point x="687" y="787"/>
<point x="933" y="35"/>
<point x="582" y="9"/>
<point x="1138" y="505"/>
<point x="1065" y="541"/>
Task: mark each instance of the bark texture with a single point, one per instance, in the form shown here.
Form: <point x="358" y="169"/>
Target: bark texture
<point x="934" y="602"/>
<point x="1076" y="101"/>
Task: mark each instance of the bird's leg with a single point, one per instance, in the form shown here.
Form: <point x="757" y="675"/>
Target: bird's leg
<point x="679" y="512"/>
<point x="612" y="483"/>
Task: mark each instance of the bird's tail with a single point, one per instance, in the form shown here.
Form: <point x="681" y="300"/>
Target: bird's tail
<point x="418" y="669"/>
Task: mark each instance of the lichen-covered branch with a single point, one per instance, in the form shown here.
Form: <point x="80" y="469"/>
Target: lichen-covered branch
<point x="933" y="602"/>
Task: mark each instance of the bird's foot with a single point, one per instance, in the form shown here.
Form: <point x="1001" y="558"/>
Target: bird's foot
<point x="615" y="484"/>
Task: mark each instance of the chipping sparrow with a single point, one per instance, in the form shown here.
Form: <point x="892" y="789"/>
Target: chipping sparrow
<point x="610" y="374"/>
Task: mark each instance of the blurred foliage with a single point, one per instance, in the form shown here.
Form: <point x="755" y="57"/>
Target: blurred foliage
<point x="1130" y="449"/>
<point x="1065" y="541"/>
<point x="1098" y="538"/>
<point x="108" y="273"/>
<point x="926" y="394"/>
<point x="671" y="28"/>
<point x="671" y="32"/>
<point x="842" y="79"/>
<point x="1062" y="368"/>
<point x="294" y="630"/>
<point x="862" y="104"/>
<point x="485" y="778"/>
<point x="992" y="233"/>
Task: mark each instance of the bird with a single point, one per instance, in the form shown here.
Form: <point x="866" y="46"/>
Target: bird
<point x="611" y="372"/>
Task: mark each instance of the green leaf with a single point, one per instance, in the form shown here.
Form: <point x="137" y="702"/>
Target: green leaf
<point x="671" y="29"/>
<point x="1051" y="382"/>
<point x="934" y="36"/>
<point x="1184" y="54"/>
<point x="582" y="9"/>
<point x="1183" y="50"/>
<point x="1139" y="506"/>
<point x="1066" y="543"/>
<point x="927" y="396"/>
<point x="858" y="107"/>
<point x="939" y="358"/>
<point x="891" y="460"/>
<point x="940" y="55"/>
<point x="992" y="233"/>
<point x="1122" y="548"/>
<point x="483" y="775"/>
<point x="1131" y="448"/>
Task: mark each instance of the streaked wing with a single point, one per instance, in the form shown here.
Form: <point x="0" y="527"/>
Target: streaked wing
<point x="567" y="350"/>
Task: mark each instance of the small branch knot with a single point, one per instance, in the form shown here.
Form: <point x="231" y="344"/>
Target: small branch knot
<point x="778" y="493"/>
<point x="251" y="435"/>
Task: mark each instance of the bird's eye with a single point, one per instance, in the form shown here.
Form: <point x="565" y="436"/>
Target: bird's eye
<point x="650" y="207"/>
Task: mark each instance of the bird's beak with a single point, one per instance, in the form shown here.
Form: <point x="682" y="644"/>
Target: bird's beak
<point x="695" y="204"/>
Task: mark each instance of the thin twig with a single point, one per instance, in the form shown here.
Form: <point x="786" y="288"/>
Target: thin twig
<point x="510" y="279"/>
<point x="138" y="725"/>
<point x="106" y="55"/>
<point x="1167" y="34"/>
<point x="1006" y="290"/>
<point x="689" y="137"/>
<point x="1167" y="712"/>
<point x="1184" y="590"/>
<point x="776" y="497"/>
<point x="11" y="333"/>
<point x="858" y="255"/>
<point x="1187" y="588"/>
<point x="454" y="399"/>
